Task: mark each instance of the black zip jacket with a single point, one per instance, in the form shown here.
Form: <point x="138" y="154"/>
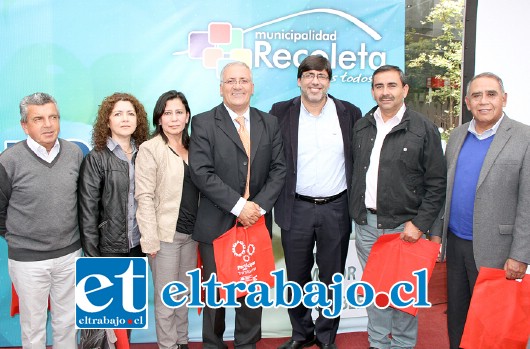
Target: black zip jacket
<point x="102" y="200"/>
<point x="412" y="172"/>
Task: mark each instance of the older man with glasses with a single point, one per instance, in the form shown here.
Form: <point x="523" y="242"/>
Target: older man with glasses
<point x="236" y="161"/>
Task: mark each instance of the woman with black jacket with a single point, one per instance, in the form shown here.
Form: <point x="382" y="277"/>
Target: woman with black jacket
<point x="107" y="208"/>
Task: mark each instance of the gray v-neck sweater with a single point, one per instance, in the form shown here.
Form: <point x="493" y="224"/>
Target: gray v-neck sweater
<point x="38" y="202"/>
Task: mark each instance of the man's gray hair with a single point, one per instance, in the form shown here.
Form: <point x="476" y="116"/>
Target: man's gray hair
<point x="38" y="98"/>
<point x="243" y="64"/>
<point x="485" y="75"/>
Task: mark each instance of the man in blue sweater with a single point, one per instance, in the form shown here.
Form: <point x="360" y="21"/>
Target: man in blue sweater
<point x="487" y="210"/>
<point x="38" y="219"/>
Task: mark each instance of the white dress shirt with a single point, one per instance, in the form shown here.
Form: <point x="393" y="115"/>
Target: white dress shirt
<point x="41" y="151"/>
<point x="320" y="165"/>
<point x="383" y="128"/>
<point x="487" y="133"/>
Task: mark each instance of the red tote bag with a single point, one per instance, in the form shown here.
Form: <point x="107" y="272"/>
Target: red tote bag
<point x="200" y="266"/>
<point x="393" y="260"/>
<point x="499" y="313"/>
<point x="122" y="341"/>
<point x="244" y="255"/>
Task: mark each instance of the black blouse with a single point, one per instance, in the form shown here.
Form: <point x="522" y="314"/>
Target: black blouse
<point x="188" y="204"/>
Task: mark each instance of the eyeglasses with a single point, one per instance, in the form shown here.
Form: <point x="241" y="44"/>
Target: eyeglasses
<point x="233" y="82"/>
<point x="311" y="76"/>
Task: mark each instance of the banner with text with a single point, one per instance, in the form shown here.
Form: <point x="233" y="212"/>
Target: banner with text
<point x="81" y="52"/>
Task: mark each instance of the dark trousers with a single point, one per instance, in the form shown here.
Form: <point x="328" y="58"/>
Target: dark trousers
<point x="248" y="321"/>
<point x="329" y="226"/>
<point x="461" y="277"/>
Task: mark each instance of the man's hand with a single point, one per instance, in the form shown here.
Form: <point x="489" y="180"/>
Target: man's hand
<point x="249" y="214"/>
<point x="514" y="269"/>
<point x="410" y="233"/>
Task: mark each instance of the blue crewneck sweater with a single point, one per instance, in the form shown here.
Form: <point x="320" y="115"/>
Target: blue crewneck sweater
<point x="467" y="171"/>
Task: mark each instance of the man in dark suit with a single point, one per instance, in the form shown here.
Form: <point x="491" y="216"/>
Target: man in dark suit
<point x="219" y="168"/>
<point x="313" y="205"/>
<point x="487" y="211"/>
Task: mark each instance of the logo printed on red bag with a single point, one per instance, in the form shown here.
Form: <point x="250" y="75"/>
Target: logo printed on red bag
<point x="247" y="269"/>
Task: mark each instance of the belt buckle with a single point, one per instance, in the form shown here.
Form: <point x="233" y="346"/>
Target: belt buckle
<point x="320" y="201"/>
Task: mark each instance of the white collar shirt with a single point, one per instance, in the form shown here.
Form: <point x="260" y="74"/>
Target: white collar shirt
<point x="234" y="115"/>
<point x="320" y="158"/>
<point x="41" y="151"/>
<point x="487" y="133"/>
<point x="383" y="129"/>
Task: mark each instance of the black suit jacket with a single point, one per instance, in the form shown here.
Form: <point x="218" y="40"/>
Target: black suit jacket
<point x="218" y="165"/>
<point x="288" y="113"/>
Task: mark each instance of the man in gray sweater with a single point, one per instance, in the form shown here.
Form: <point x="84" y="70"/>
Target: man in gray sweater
<point x="38" y="219"/>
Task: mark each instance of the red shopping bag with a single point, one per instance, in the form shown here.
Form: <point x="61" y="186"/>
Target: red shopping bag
<point x="15" y="309"/>
<point x="499" y="313"/>
<point x="244" y="255"/>
<point x="122" y="341"/>
<point x="200" y="266"/>
<point x="393" y="260"/>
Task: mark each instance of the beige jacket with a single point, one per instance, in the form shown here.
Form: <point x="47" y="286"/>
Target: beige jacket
<point x="159" y="176"/>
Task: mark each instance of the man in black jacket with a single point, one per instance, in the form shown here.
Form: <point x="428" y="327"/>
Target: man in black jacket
<point x="398" y="185"/>
<point x="313" y="205"/>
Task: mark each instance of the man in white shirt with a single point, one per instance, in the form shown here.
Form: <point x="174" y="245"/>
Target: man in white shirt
<point x="313" y="205"/>
<point x="398" y="185"/>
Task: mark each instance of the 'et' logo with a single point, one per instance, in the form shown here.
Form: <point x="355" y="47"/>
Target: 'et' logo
<point x="111" y="292"/>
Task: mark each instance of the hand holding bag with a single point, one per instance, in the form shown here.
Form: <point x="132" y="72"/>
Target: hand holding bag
<point x="499" y="313"/>
<point x="244" y="254"/>
<point x="393" y="260"/>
